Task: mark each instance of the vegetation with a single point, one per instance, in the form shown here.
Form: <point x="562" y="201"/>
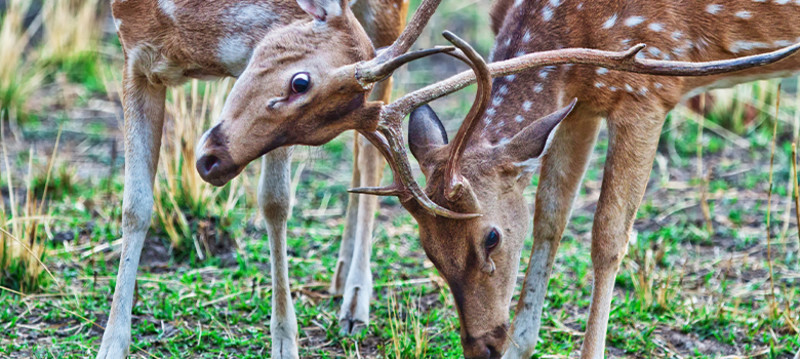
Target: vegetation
<point x="697" y="282"/>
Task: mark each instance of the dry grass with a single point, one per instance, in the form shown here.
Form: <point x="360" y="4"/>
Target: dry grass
<point x="18" y="74"/>
<point x="24" y="227"/>
<point x="180" y="192"/>
<point x="65" y="24"/>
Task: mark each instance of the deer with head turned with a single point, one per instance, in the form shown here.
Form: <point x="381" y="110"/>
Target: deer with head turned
<point x="483" y="172"/>
<point x="166" y="42"/>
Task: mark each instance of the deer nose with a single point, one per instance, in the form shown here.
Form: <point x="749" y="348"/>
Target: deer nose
<point x="481" y="350"/>
<point x="487" y="346"/>
<point x="214" y="162"/>
<point x="207" y="165"/>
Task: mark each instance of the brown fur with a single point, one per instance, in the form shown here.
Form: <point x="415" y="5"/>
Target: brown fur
<point x="634" y="106"/>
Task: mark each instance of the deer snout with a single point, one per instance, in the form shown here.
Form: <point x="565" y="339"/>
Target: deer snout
<point x="214" y="162"/>
<point x="489" y="346"/>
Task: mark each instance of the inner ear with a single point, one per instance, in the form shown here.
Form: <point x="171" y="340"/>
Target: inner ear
<point x="425" y="132"/>
<point x="323" y="10"/>
<point x="532" y="141"/>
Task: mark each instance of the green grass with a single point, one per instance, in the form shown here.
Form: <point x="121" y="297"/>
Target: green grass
<point x="681" y="292"/>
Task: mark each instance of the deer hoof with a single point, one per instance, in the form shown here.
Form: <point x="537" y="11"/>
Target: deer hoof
<point x="115" y="344"/>
<point x="354" y="315"/>
<point x="284" y="348"/>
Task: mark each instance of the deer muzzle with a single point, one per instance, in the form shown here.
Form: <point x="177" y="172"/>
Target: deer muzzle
<point x="214" y="162"/>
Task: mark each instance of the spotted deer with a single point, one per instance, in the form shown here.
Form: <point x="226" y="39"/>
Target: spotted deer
<point x="166" y="42"/>
<point x="502" y="152"/>
<point x="481" y="174"/>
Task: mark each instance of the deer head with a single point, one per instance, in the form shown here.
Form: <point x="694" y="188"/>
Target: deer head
<point x="304" y="84"/>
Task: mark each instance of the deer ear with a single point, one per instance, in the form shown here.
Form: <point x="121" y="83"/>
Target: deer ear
<point x="425" y="132"/>
<point x="532" y="141"/>
<point x="322" y="10"/>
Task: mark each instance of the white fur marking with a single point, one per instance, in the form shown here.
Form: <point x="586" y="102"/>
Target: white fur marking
<point x="547" y="13"/>
<point x="656" y="27"/>
<point x="519" y="118"/>
<point x="601" y="71"/>
<point x="743" y="46"/>
<point x="234" y="52"/>
<point x="538" y="88"/>
<point x="713" y="9"/>
<point x="633" y="21"/>
<point x="744" y="14"/>
<point x="527" y="105"/>
<point x="168" y="8"/>
<point x="610" y="22"/>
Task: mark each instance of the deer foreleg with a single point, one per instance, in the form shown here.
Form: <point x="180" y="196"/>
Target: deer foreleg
<point x="274" y="200"/>
<point x="144" y="118"/>
<point x="562" y="169"/>
<point x="632" y="146"/>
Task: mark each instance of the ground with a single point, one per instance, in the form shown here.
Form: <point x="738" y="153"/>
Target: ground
<point x="204" y="284"/>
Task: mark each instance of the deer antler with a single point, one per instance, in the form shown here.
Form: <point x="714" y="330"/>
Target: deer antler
<point x="455" y="181"/>
<point x="396" y="55"/>
<point x="614" y="60"/>
<point x="389" y="140"/>
<point x="389" y="137"/>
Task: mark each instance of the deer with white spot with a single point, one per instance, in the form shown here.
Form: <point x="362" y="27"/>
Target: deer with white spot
<point x="491" y="160"/>
<point x="166" y="42"/>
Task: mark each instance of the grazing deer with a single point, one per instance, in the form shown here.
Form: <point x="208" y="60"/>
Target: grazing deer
<point x="499" y="157"/>
<point x="166" y="42"/>
<point x="491" y="160"/>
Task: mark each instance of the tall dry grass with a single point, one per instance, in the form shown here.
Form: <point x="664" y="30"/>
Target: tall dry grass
<point x="24" y="226"/>
<point x="181" y="194"/>
<point x="70" y="28"/>
<point x="19" y="75"/>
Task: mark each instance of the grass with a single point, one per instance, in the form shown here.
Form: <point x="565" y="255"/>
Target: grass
<point x="683" y="291"/>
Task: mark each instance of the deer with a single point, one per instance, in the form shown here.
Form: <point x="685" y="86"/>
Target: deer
<point x="167" y="42"/>
<point x="472" y="214"/>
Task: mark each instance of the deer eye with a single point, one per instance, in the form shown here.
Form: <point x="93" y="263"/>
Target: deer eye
<point x="492" y="239"/>
<point x="301" y="82"/>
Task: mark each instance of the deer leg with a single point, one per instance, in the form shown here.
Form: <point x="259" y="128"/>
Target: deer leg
<point x="349" y="235"/>
<point x="144" y="118"/>
<point x="632" y="147"/>
<point x="274" y="199"/>
<point x="562" y="169"/>
<point x="354" y="313"/>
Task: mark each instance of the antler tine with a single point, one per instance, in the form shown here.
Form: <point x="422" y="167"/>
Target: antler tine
<point x="369" y="73"/>
<point x="455" y="180"/>
<point x="388" y="60"/>
<point x="621" y="60"/>
<point x="390" y="142"/>
<point x="412" y="31"/>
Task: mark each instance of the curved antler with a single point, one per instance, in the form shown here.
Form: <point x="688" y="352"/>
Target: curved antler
<point x="389" y="140"/>
<point x="614" y="60"/>
<point x="396" y="55"/>
<point x="455" y="181"/>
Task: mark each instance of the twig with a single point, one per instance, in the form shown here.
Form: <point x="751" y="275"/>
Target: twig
<point x="703" y="179"/>
<point x="796" y="189"/>
<point x="769" y="202"/>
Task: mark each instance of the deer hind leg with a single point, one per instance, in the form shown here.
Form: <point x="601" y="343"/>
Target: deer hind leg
<point x="562" y="169"/>
<point x="350" y="226"/>
<point x="354" y="313"/>
<point x="633" y="139"/>
<point x="144" y="118"/>
<point x="274" y="199"/>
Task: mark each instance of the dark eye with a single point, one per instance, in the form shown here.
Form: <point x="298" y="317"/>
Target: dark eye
<point x="301" y="82"/>
<point x="492" y="239"/>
